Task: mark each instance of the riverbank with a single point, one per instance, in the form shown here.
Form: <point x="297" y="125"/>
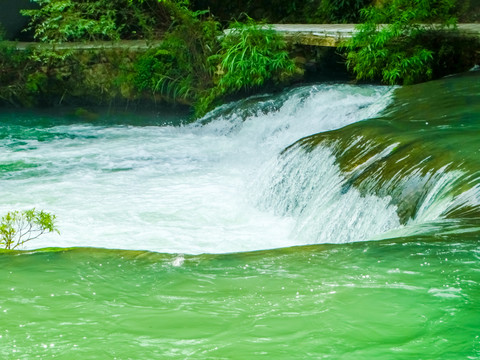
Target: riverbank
<point x="109" y="73"/>
<point x="120" y="73"/>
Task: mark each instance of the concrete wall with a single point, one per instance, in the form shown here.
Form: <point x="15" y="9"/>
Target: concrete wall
<point x="11" y="19"/>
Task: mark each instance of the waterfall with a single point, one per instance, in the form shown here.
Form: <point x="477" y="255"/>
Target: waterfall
<point x="309" y="186"/>
<point x="384" y="182"/>
<point x="330" y="163"/>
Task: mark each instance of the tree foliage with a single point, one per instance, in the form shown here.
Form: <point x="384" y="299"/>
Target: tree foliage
<point x="391" y="44"/>
<point x="285" y="11"/>
<point x="76" y="20"/>
<point x="199" y="65"/>
<point x="17" y="228"/>
<point x="340" y="11"/>
<point x="195" y="64"/>
<point x="178" y="68"/>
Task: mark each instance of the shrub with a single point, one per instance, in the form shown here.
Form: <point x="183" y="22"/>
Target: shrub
<point x="15" y="68"/>
<point x="179" y="68"/>
<point x="196" y="64"/>
<point x="193" y="66"/>
<point x="74" y="20"/>
<point x="340" y="11"/>
<point x="17" y="228"/>
<point x="250" y="56"/>
<point x="397" y="52"/>
<point x="286" y="11"/>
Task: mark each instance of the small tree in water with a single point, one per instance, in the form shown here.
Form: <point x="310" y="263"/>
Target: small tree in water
<point x="17" y="228"/>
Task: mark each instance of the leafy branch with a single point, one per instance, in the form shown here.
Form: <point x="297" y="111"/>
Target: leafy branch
<point x="17" y="228"/>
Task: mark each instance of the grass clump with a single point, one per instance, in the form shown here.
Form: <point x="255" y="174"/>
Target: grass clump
<point x="250" y="55"/>
<point x="198" y="65"/>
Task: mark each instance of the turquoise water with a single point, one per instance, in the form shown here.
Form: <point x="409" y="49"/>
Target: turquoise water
<point x="209" y="241"/>
<point x="386" y="300"/>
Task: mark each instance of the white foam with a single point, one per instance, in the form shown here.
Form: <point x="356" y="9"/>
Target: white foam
<point x="181" y="189"/>
<point x="309" y="187"/>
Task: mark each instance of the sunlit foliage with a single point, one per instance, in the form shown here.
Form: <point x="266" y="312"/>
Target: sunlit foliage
<point x="19" y="227"/>
<point x="392" y="43"/>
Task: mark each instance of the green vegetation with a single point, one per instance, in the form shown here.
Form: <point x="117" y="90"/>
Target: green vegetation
<point x="339" y="11"/>
<point x="196" y="64"/>
<point x="17" y="228"/>
<point x="179" y="69"/>
<point x="250" y="56"/>
<point x="285" y="11"/>
<point x="46" y="76"/>
<point x="15" y="70"/>
<point x="77" y="20"/>
<point x="194" y="67"/>
<point x="414" y="46"/>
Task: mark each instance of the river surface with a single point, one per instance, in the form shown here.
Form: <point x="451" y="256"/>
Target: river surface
<point x="331" y="221"/>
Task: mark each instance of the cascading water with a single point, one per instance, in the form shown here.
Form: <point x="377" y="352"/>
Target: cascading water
<point x="264" y="173"/>
<point x="310" y="188"/>
<point x="377" y="191"/>
<point x="412" y="158"/>
<point x="184" y="189"/>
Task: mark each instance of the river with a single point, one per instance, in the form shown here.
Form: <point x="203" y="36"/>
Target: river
<point x="329" y="221"/>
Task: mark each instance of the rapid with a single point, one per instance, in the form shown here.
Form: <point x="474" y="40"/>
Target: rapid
<point x="331" y="221"/>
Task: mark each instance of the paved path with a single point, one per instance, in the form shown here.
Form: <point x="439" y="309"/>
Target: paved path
<point x="91" y="45"/>
<point x="330" y="35"/>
